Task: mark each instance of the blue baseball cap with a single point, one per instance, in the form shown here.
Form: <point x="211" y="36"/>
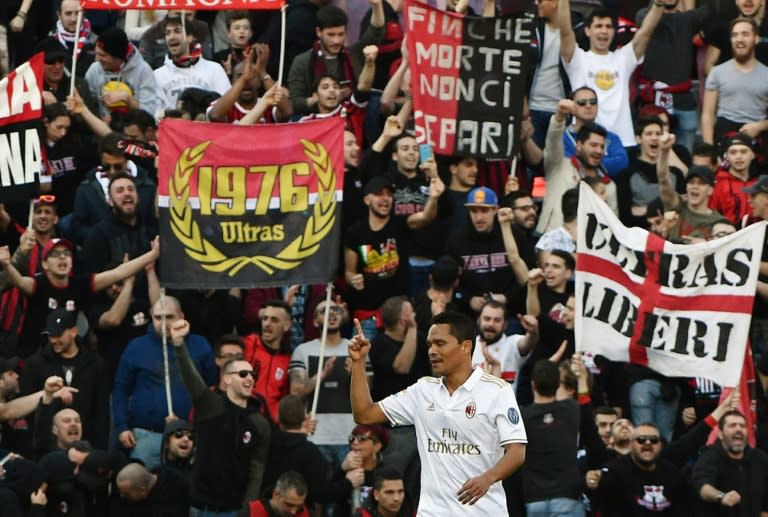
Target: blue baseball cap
<point x="482" y="196"/>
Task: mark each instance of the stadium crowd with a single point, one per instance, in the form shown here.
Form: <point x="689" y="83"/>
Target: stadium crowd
<point x="666" y="120"/>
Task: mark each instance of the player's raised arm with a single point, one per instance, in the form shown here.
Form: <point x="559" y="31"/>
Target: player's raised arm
<point x="364" y="410"/>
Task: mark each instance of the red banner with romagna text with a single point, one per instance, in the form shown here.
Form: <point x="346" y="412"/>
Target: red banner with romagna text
<point x="249" y="206"/>
<point x="192" y="5"/>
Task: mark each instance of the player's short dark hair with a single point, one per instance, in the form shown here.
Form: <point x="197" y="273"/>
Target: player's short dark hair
<point x="461" y="326"/>
<point x="111" y="144"/>
<point x="228" y="339"/>
<point x="140" y="118"/>
<point x="291" y="412"/>
<point x="546" y="377"/>
<point x="120" y="176"/>
<point x="391" y="310"/>
<point x="331" y="16"/>
<point x="580" y="89"/>
<point x="606" y="410"/>
<point x="598" y="13"/>
<point x="588" y="129"/>
<point x="385" y="474"/>
<point x="280" y="304"/>
<point x="744" y="19"/>
<point x="55" y="110"/>
<point x="570" y="262"/>
<point x="702" y="148"/>
<point x="233" y="16"/>
<point x="732" y="412"/>
<point x="316" y="82"/>
<point x="509" y="199"/>
<point x="495" y="304"/>
<point x="569" y="204"/>
<point x="647" y="121"/>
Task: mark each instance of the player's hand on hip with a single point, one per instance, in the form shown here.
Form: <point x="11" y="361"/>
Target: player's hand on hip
<point x="474" y="489"/>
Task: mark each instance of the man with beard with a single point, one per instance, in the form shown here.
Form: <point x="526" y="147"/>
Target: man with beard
<point x="80" y="368"/>
<point x="525" y="215"/>
<point x="64" y="35"/>
<point x="353" y="208"/>
<point x="693" y="219"/>
<point x="491" y="266"/>
<point x="330" y="55"/>
<point x="730" y="475"/>
<point x="720" y="50"/>
<point x="497" y="353"/>
<point x="411" y="180"/>
<point x="585" y="112"/>
<point x="233" y="437"/>
<point x="564" y="173"/>
<point x="92" y="199"/>
<point x="375" y="259"/>
<point x="463" y="171"/>
<point x="736" y="95"/>
<point x="334" y="412"/>
<point x="248" y="77"/>
<point x="638" y="184"/>
<point x="185" y="67"/>
<point x="641" y="481"/>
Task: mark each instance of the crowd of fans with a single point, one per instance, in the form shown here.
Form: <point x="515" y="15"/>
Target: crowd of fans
<point x="667" y="124"/>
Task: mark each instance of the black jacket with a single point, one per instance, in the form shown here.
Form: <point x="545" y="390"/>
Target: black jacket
<point x="85" y="372"/>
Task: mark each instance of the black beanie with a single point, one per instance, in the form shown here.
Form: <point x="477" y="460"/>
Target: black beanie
<point x="114" y="42"/>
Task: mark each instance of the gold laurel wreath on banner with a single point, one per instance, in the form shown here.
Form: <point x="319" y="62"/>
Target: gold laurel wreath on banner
<point x="186" y="229"/>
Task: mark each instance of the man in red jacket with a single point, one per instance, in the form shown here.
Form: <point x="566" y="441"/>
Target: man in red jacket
<point x="287" y="499"/>
<point x="269" y="353"/>
<point x="727" y="196"/>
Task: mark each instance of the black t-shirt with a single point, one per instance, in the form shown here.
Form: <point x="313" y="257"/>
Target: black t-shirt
<point x="47" y="297"/>
<point x="382" y="258"/>
<point x="386" y="381"/>
<point x="550" y="469"/>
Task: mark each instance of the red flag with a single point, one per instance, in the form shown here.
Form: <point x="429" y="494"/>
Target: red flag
<point x="747" y="404"/>
<point x="192" y="5"/>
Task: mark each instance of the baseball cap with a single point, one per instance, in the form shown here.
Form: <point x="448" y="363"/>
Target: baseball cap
<point x="760" y="186"/>
<point x="48" y="248"/>
<point x="699" y="171"/>
<point x="53" y="50"/>
<point x="740" y="139"/>
<point x="8" y="364"/>
<point x="58" y="321"/>
<point x="377" y="183"/>
<point x="482" y="196"/>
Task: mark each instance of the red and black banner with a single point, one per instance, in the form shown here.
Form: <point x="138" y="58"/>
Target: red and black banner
<point x="193" y="5"/>
<point x="250" y="206"/>
<point x="21" y="108"/>
<point x="468" y="77"/>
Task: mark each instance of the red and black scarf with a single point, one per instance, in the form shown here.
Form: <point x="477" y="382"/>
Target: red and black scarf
<point x="318" y="66"/>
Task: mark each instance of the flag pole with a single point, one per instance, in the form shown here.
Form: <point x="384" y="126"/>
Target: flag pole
<point x="31" y="213"/>
<point x="165" y="354"/>
<point x="281" y="64"/>
<point x="323" y="338"/>
<point x="72" y="73"/>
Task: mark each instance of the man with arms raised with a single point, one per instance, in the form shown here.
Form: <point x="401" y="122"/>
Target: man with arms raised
<point x="464" y="417"/>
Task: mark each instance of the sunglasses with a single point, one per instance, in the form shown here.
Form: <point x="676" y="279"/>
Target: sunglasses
<point x="584" y="102"/>
<point x="358" y="438"/>
<point x="182" y="434"/>
<point x="45" y="198"/>
<point x="243" y="373"/>
<point x="643" y="439"/>
<point x="55" y="59"/>
<point x="117" y="167"/>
